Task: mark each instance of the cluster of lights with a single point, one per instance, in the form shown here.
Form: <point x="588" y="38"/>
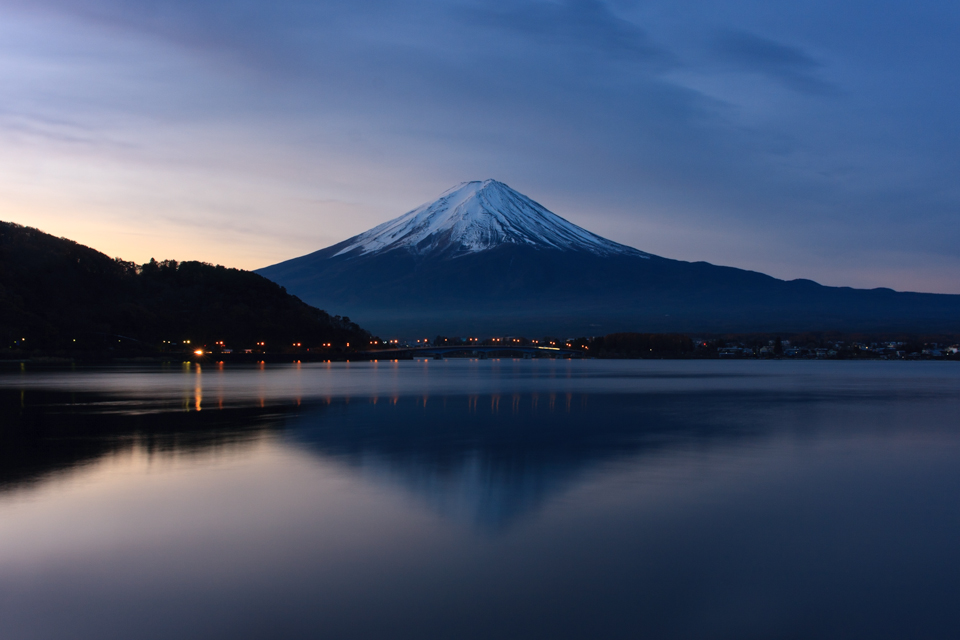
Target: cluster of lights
<point x="296" y="344"/>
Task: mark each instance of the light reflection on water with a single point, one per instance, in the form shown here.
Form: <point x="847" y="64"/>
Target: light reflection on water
<point x="264" y="384"/>
<point x="481" y="499"/>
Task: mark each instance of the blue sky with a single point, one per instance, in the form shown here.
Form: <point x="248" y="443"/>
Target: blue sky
<point x="815" y="139"/>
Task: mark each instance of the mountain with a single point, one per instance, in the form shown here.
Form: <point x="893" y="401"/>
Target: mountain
<point x="56" y="294"/>
<point x="485" y="259"/>
<point x="479" y="216"/>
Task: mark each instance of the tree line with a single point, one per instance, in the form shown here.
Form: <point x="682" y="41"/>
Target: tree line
<point x="56" y="294"/>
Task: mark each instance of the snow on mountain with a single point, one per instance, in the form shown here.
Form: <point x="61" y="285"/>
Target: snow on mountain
<point x="475" y="216"/>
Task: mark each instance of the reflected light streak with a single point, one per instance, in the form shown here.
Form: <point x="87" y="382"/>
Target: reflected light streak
<point x="198" y="390"/>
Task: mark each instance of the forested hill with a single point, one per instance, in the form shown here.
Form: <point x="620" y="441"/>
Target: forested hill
<point x="56" y="294"/>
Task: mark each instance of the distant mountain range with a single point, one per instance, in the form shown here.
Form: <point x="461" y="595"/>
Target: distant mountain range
<point x="484" y="258"/>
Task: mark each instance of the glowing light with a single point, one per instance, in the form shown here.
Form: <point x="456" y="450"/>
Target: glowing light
<point x="198" y="352"/>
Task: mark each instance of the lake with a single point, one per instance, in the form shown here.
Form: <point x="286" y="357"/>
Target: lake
<point x="481" y="499"/>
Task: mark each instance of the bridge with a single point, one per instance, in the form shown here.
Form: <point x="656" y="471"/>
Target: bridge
<point x="484" y="351"/>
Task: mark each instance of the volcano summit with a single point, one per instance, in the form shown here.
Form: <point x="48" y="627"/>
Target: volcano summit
<point x="479" y="216"/>
<point x="484" y="258"/>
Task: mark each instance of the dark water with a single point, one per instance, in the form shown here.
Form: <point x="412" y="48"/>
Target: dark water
<point x="482" y="499"/>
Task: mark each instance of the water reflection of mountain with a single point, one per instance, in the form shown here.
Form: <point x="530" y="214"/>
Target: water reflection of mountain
<point x="484" y="460"/>
<point x="490" y="460"/>
<point x="43" y="433"/>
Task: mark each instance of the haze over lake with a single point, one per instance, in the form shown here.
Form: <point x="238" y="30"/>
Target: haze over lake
<point x="469" y="498"/>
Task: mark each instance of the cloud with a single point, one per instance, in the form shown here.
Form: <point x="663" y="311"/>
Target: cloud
<point x="789" y="65"/>
<point x="583" y="24"/>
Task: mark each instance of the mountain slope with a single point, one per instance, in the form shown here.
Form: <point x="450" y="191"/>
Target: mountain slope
<point x="485" y="259"/>
<point x="57" y="294"/>
<point x="478" y="216"/>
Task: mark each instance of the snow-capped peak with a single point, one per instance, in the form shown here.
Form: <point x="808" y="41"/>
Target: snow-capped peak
<point x="475" y="216"/>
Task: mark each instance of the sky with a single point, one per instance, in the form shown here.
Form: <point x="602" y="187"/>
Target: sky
<point x="818" y="139"/>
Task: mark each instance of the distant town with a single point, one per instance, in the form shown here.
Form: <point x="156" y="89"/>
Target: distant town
<point x="653" y="345"/>
<point x="840" y="349"/>
<point x="612" y="346"/>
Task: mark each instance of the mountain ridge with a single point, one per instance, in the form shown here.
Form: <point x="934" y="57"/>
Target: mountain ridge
<point x="411" y="277"/>
<point x="56" y="294"/>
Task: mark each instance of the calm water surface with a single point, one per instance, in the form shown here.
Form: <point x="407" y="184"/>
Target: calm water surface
<point x="481" y="499"/>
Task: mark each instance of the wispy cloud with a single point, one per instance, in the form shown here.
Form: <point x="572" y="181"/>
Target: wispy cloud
<point x="588" y="25"/>
<point x="784" y="63"/>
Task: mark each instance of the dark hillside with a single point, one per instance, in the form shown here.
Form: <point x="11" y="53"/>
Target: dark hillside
<point x="56" y="294"/>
